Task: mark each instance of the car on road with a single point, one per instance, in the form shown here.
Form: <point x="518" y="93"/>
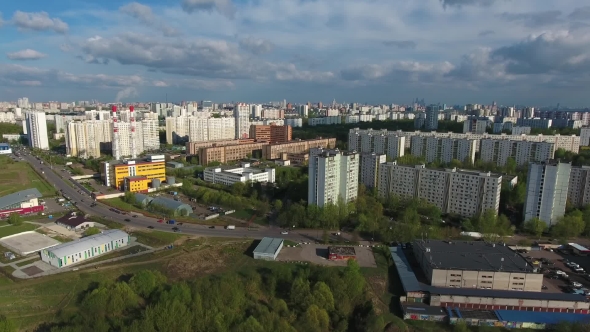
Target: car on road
<point x="127" y="219"/>
<point x="576" y="284"/>
<point x="284" y="232"/>
<point x="151" y="227"/>
<point x="134" y="216"/>
<point x="176" y="229"/>
<point x="211" y="226"/>
<point x="179" y="224"/>
<point x="160" y="220"/>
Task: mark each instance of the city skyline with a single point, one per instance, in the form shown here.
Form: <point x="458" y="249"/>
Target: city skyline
<point x="453" y="51"/>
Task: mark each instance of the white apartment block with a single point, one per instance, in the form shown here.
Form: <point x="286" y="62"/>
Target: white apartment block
<point x="380" y="142"/>
<point x="521" y="130"/>
<point x="568" y="143"/>
<point x="369" y="168"/>
<point x="303" y="111"/>
<point x="333" y="177"/>
<point x="197" y="129"/>
<point x="443" y="149"/>
<point x="578" y="192"/>
<point x="535" y="123"/>
<point x="273" y="113"/>
<point x="585" y="136"/>
<point x="547" y="190"/>
<point x="523" y="152"/>
<point x="150" y="132"/>
<point x="463" y="192"/>
<point x="7" y="117"/>
<point x="229" y="176"/>
<point x="86" y="139"/>
<point x="36" y="130"/>
<point x="256" y="111"/>
<point x="294" y="122"/>
<point x="328" y="120"/>
<point x="242" y="120"/>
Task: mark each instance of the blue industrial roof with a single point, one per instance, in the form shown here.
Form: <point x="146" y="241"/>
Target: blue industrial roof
<point x="578" y="247"/>
<point x="540" y="317"/>
<point x="406" y="274"/>
<point x="19" y="197"/>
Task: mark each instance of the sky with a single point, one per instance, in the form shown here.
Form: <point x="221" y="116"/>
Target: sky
<point x="534" y="52"/>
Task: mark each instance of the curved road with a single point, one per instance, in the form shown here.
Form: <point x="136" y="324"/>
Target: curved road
<point x="143" y="222"/>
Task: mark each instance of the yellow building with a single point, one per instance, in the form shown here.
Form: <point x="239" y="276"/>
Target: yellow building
<point x="136" y="184"/>
<point x="115" y="173"/>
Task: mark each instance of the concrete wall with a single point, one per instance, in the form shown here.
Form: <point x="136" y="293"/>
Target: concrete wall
<point x="531" y="282"/>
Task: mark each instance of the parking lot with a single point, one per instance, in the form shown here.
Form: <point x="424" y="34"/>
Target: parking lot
<point x="318" y="254"/>
<point x="561" y="284"/>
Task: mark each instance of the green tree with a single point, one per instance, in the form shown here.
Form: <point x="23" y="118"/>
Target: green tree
<point x="278" y="205"/>
<point x="300" y="295"/>
<point x="238" y="188"/>
<point x="460" y="326"/>
<point x="146" y="281"/>
<point x="569" y="226"/>
<point x="322" y="296"/>
<point x="535" y="226"/>
<point x="15" y="219"/>
<point x="6" y="325"/>
<point x="129" y="198"/>
<point x="314" y="319"/>
<point x="91" y="231"/>
<point x="250" y="325"/>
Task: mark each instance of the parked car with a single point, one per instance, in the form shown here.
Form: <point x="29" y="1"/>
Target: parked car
<point x="134" y="216"/>
<point x="576" y="284"/>
<point x="151" y="227"/>
<point x="284" y="232"/>
<point x="127" y="220"/>
<point x="211" y="226"/>
<point x="160" y="220"/>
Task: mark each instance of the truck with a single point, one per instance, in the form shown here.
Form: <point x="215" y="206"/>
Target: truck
<point x="171" y="222"/>
<point x="230" y="227"/>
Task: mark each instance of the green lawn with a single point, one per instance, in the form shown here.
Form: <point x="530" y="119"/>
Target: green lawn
<point x="17" y="176"/>
<point x="62" y="239"/>
<point x="156" y="238"/>
<point x="11" y="230"/>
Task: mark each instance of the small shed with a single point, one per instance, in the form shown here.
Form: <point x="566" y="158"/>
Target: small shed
<point x="341" y="253"/>
<point x="579" y="250"/>
<point x="268" y="249"/>
<point x="74" y="222"/>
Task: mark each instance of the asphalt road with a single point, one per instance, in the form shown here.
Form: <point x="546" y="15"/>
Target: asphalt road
<point x="84" y="201"/>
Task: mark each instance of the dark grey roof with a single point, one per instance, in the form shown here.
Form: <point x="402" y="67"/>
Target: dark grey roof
<point x="423" y="309"/>
<point x="470" y="255"/>
<point x="170" y="203"/>
<point x="268" y="246"/>
<point x="406" y="274"/>
<point x="503" y="294"/>
<point x="18" y="197"/>
<point x="142" y="199"/>
<point x="72" y="219"/>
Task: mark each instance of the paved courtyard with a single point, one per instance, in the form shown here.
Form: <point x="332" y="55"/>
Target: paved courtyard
<point x="28" y="242"/>
<point x="318" y="254"/>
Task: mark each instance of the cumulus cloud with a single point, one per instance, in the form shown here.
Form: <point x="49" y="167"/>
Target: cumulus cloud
<point x="128" y="92"/>
<point x="398" y="71"/>
<point x="401" y="44"/>
<point x="534" y="19"/>
<point x="39" y="21"/>
<point x="27" y="54"/>
<point x="145" y="15"/>
<point x="224" y="7"/>
<point x="256" y="45"/>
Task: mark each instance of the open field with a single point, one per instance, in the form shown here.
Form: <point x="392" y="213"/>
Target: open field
<point x="17" y="176"/>
<point x="11" y="230"/>
<point x="156" y="238"/>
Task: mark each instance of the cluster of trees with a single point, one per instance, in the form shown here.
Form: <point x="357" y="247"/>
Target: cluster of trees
<point x="577" y="159"/>
<point x="280" y="298"/>
<point x="222" y="195"/>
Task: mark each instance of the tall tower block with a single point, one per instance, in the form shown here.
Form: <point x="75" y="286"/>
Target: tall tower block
<point x="116" y="148"/>
<point x="133" y="137"/>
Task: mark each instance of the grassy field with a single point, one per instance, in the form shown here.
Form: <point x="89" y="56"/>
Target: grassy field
<point x="246" y="214"/>
<point x="17" y="176"/>
<point x="62" y="239"/>
<point x="11" y="230"/>
<point x="155" y="238"/>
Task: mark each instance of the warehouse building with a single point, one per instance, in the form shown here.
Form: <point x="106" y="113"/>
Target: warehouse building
<point x="85" y="248"/>
<point x="341" y="253"/>
<point x="474" y="264"/>
<point x="177" y="207"/>
<point x="22" y="202"/>
<point x="268" y="249"/>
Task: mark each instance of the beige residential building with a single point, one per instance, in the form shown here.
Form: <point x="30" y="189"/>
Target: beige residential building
<point x="523" y="152"/>
<point x="275" y="151"/>
<point x="466" y="193"/>
<point x="192" y="148"/>
<point x="181" y="129"/>
<point x="369" y="169"/>
<point x="85" y="139"/>
<point x="380" y="142"/>
<point x="443" y="149"/>
<point x="229" y="153"/>
<point x="475" y="264"/>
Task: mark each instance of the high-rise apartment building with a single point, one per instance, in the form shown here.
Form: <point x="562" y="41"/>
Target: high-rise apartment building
<point x="431" y="121"/>
<point x="87" y="139"/>
<point x="466" y="193"/>
<point x="443" y="149"/>
<point x="547" y="190"/>
<point x="273" y="134"/>
<point x="333" y="177"/>
<point x="523" y="152"/>
<point x="379" y="142"/>
<point x="36" y="130"/>
<point x="183" y="129"/>
<point x="585" y="136"/>
<point x="242" y="118"/>
<point x="303" y="111"/>
<point x="256" y="110"/>
<point x="369" y="169"/>
<point x="578" y="191"/>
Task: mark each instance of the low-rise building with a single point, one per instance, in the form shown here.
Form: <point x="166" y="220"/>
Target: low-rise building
<point x="114" y="173"/>
<point x="74" y="252"/>
<point x="268" y="249"/>
<point x="5" y="148"/>
<point x="230" y="175"/>
<point x="22" y="202"/>
<point x="475" y="264"/>
<point x="74" y="222"/>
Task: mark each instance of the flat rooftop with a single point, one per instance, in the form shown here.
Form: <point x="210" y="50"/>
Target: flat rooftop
<point x="578" y="247"/>
<point x="470" y="255"/>
<point x="345" y="251"/>
<point x="268" y="245"/>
